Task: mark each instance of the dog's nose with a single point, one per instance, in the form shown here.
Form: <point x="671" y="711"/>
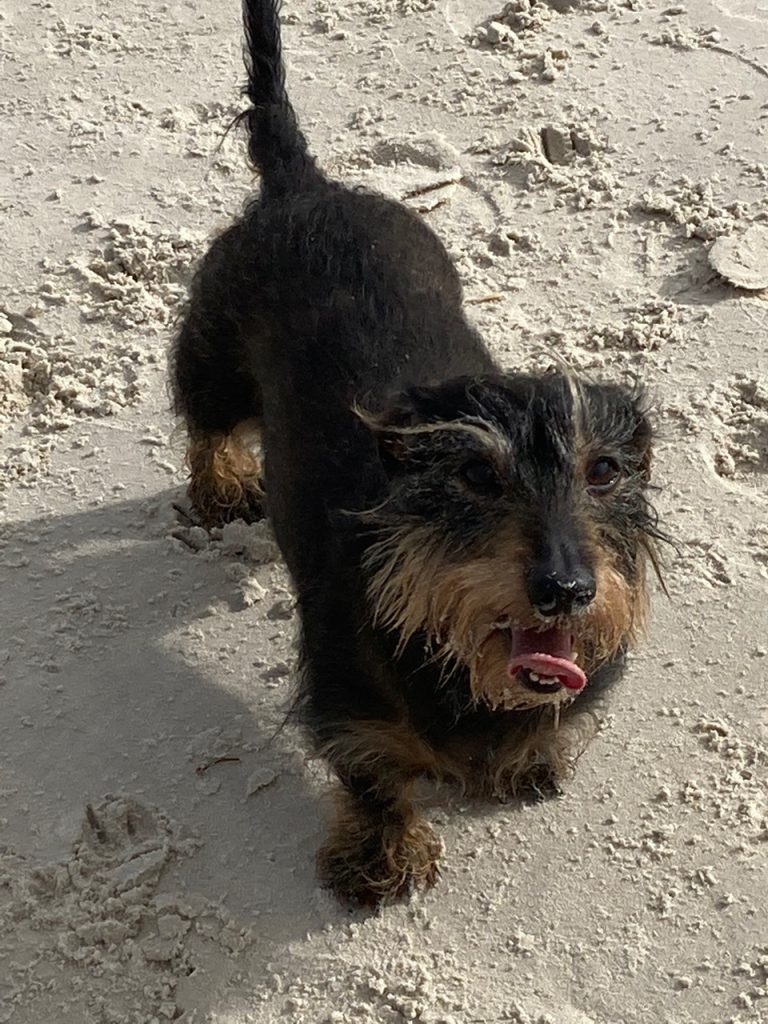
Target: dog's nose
<point x="560" y="593"/>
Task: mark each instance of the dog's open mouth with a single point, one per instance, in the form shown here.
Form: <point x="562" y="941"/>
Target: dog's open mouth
<point x="543" y="661"/>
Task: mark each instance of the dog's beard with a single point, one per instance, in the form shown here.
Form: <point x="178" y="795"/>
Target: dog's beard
<point x="469" y="611"/>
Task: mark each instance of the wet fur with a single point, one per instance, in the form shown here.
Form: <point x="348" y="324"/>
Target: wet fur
<point x="331" y="320"/>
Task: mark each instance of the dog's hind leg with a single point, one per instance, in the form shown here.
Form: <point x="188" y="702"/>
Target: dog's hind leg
<point x="218" y="396"/>
<point x="225" y="475"/>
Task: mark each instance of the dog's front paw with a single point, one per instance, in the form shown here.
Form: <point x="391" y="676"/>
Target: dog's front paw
<point x="538" y="781"/>
<point x="370" y="863"/>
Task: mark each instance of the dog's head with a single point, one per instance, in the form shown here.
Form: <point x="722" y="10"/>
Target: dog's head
<point x="516" y="529"/>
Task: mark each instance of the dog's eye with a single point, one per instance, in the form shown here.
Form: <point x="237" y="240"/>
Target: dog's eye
<point x="603" y="475"/>
<point x="480" y="475"/>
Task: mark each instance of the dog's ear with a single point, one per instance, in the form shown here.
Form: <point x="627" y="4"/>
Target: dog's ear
<point x="390" y="429"/>
<point x="404" y="425"/>
<point x="620" y="414"/>
<point x="423" y="425"/>
<point x="643" y="441"/>
<point x="643" y="435"/>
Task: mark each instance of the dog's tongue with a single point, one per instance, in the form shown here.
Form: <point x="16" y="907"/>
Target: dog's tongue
<point x="548" y="653"/>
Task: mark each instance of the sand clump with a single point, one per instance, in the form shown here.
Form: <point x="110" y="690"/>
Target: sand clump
<point x="568" y="160"/>
<point x="139" y="277"/>
<point x="523" y="17"/>
<point x="136" y="282"/>
<point x="48" y="383"/>
<point x="693" y="206"/>
<point x="649" y="327"/>
<point x="531" y="31"/>
<point x="742" y="442"/>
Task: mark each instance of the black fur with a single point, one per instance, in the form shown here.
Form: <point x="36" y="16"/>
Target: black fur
<point x="320" y="302"/>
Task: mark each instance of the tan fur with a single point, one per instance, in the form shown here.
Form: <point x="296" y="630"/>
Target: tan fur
<point x="543" y="759"/>
<point x="393" y="754"/>
<point x="577" y="415"/>
<point x="416" y="588"/>
<point x="224" y="475"/>
<point x="538" y="751"/>
<point x="616" y="618"/>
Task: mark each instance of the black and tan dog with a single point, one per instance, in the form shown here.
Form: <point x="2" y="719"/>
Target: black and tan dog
<point x="468" y="546"/>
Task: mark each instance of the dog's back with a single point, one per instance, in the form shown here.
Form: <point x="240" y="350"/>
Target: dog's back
<point x="364" y="295"/>
<point x="319" y="298"/>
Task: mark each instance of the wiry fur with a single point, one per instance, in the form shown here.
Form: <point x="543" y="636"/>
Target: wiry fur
<point x="332" y="321"/>
<point x="461" y="607"/>
<point x="225" y="476"/>
<point x="376" y="853"/>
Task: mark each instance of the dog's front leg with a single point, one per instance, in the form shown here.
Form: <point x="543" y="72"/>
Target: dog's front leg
<point x="379" y="848"/>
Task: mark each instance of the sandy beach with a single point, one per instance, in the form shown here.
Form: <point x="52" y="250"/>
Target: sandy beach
<point x="599" y="172"/>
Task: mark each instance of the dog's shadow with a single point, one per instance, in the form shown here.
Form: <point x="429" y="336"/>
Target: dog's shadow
<point x="128" y="670"/>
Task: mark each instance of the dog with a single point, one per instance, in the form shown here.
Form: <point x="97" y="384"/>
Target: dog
<point x="469" y="547"/>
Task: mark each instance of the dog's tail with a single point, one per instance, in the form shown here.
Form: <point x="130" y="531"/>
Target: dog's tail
<point x="276" y="145"/>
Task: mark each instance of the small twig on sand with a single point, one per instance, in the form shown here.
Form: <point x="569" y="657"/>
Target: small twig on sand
<point x="201" y="768"/>
<point x="423" y="190"/>
<point x="493" y="297"/>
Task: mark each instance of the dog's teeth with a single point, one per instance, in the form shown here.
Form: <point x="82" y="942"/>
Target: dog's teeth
<point x="534" y="678"/>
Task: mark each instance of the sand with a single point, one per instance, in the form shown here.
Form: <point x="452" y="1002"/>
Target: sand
<point x="582" y="159"/>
